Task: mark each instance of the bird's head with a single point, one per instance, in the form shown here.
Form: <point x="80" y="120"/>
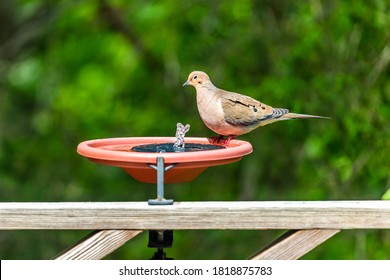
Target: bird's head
<point x="197" y="78"/>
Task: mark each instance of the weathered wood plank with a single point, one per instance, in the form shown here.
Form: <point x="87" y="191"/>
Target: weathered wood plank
<point x="98" y="244"/>
<point x="294" y="244"/>
<point x="197" y="215"/>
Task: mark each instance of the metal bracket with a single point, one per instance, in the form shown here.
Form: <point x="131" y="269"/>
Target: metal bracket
<point x="160" y="200"/>
<point x="160" y="239"/>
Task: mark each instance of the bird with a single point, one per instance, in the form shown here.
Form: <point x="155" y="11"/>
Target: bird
<point x="231" y="114"/>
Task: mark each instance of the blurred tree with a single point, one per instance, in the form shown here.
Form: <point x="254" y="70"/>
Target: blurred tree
<point x="77" y="70"/>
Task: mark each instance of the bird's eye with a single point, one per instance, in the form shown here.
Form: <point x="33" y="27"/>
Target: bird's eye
<point x="195" y="77"/>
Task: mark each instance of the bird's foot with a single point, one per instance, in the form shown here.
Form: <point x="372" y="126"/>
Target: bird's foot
<point x="220" y="140"/>
<point x="215" y="140"/>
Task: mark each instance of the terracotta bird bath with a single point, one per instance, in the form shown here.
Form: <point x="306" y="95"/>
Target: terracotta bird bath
<point x="155" y="159"/>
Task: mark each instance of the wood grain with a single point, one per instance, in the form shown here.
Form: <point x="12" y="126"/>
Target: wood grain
<point x="98" y="244"/>
<point x="294" y="244"/>
<point x="197" y="215"/>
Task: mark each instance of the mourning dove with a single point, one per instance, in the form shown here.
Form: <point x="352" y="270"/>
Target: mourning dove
<point x="232" y="114"/>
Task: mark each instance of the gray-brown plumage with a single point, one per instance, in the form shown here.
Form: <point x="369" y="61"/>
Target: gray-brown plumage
<point x="232" y="114"/>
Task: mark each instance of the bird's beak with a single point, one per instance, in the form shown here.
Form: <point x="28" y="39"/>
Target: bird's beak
<point x="186" y="83"/>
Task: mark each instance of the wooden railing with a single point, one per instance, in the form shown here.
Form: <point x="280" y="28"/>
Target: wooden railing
<point x="310" y="223"/>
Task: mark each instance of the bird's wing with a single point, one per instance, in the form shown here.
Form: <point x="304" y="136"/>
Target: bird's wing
<point x="242" y="110"/>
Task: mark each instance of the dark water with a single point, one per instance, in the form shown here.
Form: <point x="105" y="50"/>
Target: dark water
<point x="168" y="148"/>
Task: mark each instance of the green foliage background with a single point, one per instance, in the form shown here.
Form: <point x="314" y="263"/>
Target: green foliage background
<point x="78" y="70"/>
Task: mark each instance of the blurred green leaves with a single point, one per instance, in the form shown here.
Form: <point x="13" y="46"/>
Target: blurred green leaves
<point x="77" y="70"/>
<point x="386" y="195"/>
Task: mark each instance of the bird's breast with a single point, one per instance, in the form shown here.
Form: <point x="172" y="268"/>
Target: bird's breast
<point x="210" y="108"/>
<point x="212" y="114"/>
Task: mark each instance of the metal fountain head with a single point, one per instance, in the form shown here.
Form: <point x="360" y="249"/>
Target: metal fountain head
<point x="181" y="131"/>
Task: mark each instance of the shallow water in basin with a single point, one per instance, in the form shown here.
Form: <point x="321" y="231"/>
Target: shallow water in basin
<point x="168" y="148"/>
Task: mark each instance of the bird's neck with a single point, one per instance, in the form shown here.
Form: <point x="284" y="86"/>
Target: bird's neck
<point x="207" y="87"/>
<point x="207" y="94"/>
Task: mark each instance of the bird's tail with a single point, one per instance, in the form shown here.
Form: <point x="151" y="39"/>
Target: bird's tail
<point x="281" y="115"/>
<point x="302" y="116"/>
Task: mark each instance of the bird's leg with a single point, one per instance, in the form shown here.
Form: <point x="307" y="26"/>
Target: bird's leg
<point x="227" y="140"/>
<point x="215" y="140"/>
<point x="220" y="140"/>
